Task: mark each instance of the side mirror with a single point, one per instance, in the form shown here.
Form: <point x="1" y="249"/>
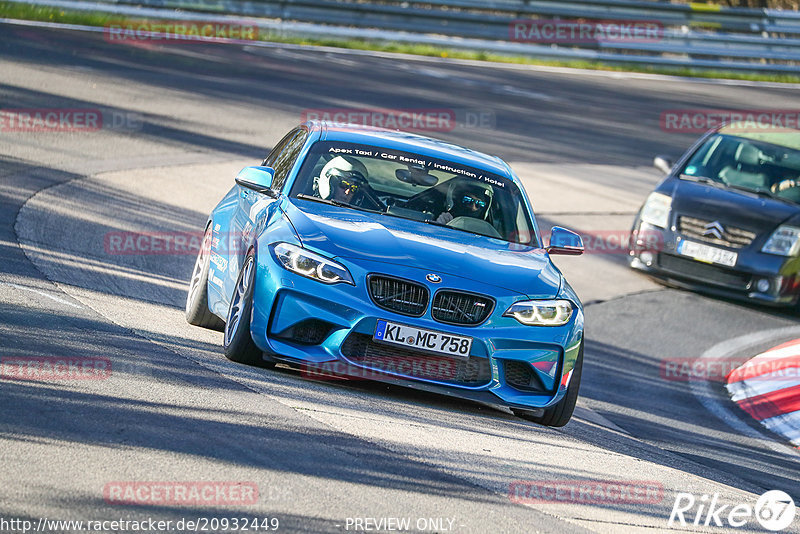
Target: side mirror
<point x="566" y="242"/>
<point x="258" y="179"/>
<point x="663" y="163"/>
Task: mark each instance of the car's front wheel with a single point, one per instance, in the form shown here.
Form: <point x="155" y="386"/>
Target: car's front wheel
<point x="561" y="413"/>
<point x="238" y="343"/>
<point x="197" y="312"/>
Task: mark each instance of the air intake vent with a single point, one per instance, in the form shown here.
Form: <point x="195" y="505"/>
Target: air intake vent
<point x="710" y="274"/>
<point x="308" y="332"/>
<point x="456" y="307"/>
<point x="362" y="350"/>
<point x="399" y="296"/>
<point x="520" y="375"/>
<point x="714" y="233"/>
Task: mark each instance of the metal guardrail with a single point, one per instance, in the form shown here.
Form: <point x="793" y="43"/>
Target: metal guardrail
<point x="692" y="35"/>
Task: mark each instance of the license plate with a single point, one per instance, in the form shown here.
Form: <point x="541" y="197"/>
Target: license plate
<point x="707" y="254"/>
<point x="427" y="340"/>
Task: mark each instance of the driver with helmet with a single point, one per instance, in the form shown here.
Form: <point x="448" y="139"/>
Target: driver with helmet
<point x="343" y="179"/>
<point x="465" y="199"/>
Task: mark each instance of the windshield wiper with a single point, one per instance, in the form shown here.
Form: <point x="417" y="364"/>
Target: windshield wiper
<point x="334" y="202"/>
<point x="433" y="222"/>
<point x="701" y="179"/>
<point x="757" y="190"/>
<point x="764" y="192"/>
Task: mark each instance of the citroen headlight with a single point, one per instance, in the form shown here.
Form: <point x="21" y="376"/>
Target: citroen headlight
<point x="541" y="312"/>
<point x="656" y="210"/>
<point x="785" y="241"/>
<point x="311" y="265"/>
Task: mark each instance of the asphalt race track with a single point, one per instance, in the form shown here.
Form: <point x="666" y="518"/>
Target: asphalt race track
<point x="179" y="121"/>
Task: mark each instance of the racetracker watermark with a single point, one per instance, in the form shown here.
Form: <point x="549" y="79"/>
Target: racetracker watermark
<point x="617" y="241"/>
<point x="586" y="491"/>
<point x="177" y="31"/>
<point x="196" y="493"/>
<point x="430" y="367"/>
<point x="144" y="524"/>
<point x="774" y="510"/>
<point x="65" y="120"/>
<point x="409" y="119"/>
<point x="719" y="369"/>
<point x="740" y="120"/>
<point x="224" y="244"/>
<point x="51" y="368"/>
<point x="173" y="244"/>
<point x="548" y="31"/>
<point x="155" y="243"/>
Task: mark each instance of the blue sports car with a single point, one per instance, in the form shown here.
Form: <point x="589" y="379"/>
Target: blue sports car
<point x="362" y="252"/>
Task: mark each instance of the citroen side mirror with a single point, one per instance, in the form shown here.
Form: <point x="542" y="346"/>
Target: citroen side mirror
<point x="663" y="163"/>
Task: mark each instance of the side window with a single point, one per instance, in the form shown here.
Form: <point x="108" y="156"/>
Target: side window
<point x="269" y="161"/>
<point x="286" y="159"/>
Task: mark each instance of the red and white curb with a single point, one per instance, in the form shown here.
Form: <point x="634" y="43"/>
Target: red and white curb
<point x="768" y="388"/>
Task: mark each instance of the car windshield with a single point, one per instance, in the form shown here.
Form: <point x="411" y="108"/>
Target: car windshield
<point x="766" y="163"/>
<point x="415" y="187"/>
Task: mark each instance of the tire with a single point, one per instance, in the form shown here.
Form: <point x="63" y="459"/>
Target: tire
<point x="197" y="312"/>
<point x="561" y="413"/>
<point x="238" y="344"/>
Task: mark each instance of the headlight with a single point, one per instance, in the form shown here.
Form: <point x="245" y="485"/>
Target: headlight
<point x="311" y="265"/>
<point x="541" y="312"/>
<point x="656" y="210"/>
<point x="785" y="241"/>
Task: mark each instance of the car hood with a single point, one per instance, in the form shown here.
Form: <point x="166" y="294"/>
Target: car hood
<point x="348" y="233"/>
<point x="742" y="209"/>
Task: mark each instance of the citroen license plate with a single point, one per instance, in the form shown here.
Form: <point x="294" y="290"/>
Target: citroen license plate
<point x="707" y="254"/>
<point x="427" y="340"/>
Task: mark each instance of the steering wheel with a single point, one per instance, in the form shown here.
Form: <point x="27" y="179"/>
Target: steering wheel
<point x="476" y="226"/>
<point x="371" y="197"/>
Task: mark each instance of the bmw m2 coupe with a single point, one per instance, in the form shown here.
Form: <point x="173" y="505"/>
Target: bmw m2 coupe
<point x="727" y="217"/>
<point x="404" y="259"/>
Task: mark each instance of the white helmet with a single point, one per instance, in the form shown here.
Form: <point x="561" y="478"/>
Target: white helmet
<point x="340" y="168"/>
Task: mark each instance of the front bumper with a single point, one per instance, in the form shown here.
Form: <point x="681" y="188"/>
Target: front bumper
<point x="329" y="329"/>
<point x="764" y="278"/>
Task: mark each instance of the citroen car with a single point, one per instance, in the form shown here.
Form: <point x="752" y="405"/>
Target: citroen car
<point x="378" y="254"/>
<point x="726" y="219"/>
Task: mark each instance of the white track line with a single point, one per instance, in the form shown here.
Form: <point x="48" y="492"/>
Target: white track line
<point x="42" y="293"/>
<point x="761" y="385"/>
<point x="787" y="425"/>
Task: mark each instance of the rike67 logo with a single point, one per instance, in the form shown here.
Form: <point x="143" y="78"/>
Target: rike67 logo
<point x="774" y="510"/>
